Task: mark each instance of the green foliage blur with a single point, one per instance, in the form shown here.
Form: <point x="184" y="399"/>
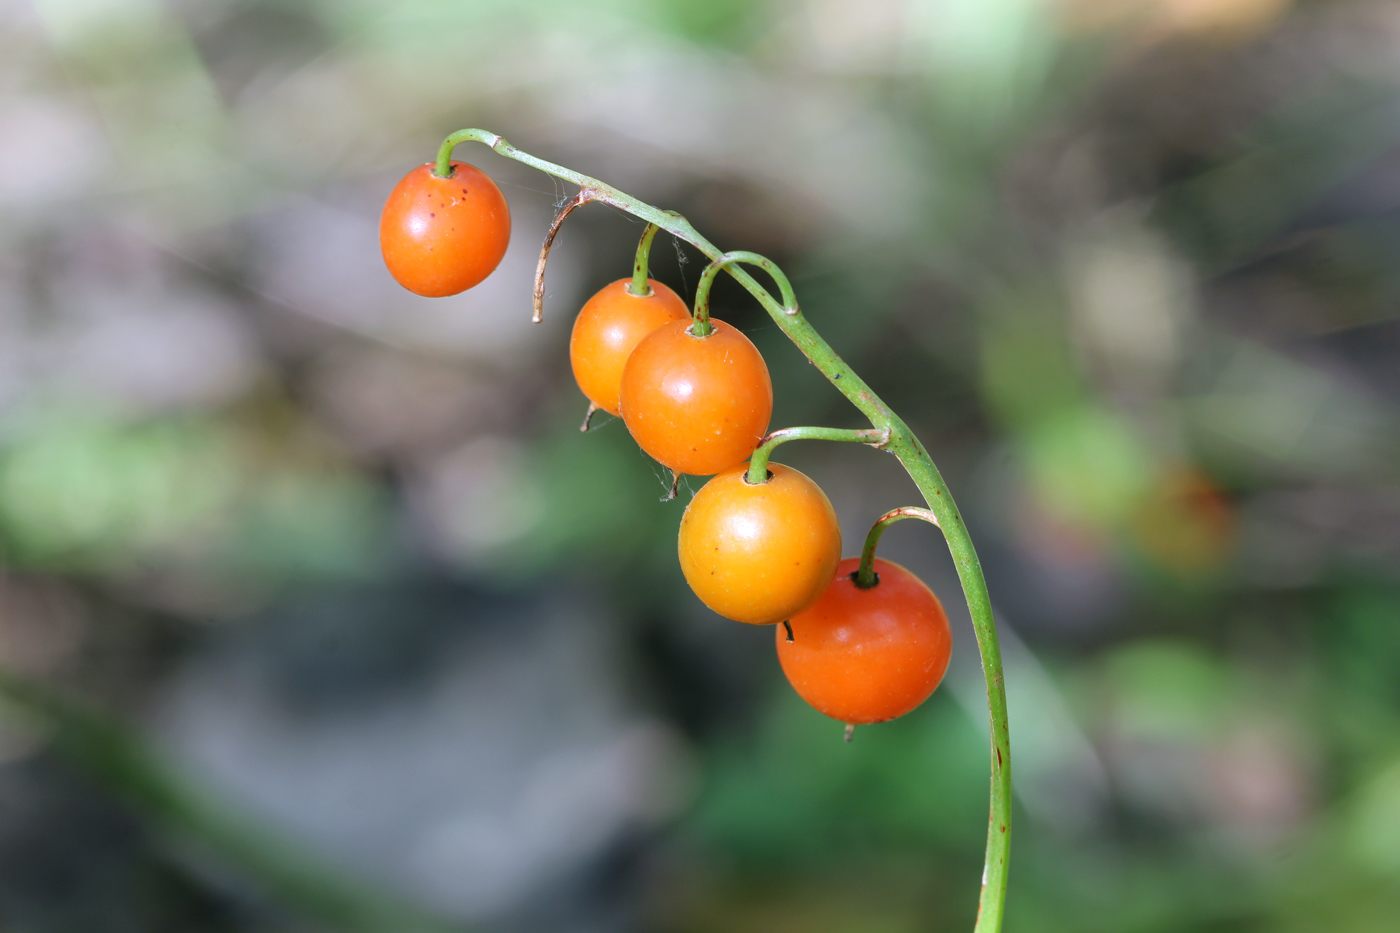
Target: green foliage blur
<point x="1130" y="268"/>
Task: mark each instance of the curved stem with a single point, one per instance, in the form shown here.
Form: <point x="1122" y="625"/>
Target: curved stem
<point x="912" y="455"/>
<point x="758" y="462"/>
<point x="578" y="200"/>
<point x="442" y="168"/>
<point x="638" y="286"/>
<point x="865" y="574"/>
<point x="701" y="327"/>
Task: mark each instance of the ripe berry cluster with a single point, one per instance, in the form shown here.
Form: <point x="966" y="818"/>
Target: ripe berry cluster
<point x="862" y="640"/>
<point x="759" y="543"/>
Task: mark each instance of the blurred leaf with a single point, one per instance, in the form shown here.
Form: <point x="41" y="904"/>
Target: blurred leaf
<point x="79" y="489"/>
<point x="1167" y="690"/>
<point x="1086" y="467"/>
<point x="799" y="793"/>
<point x="1374" y="823"/>
<point x="711" y="22"/>
<point x="124" y="763"/>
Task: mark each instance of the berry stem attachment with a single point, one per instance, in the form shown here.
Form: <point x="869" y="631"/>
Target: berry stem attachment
<point x="758" y="463"/>
<point x="638" y="286"/>
<point x="701" y="327"/>
<point x="442" y="168"/>
<point x="902" y="443"/>
<point x="865" y="574"/>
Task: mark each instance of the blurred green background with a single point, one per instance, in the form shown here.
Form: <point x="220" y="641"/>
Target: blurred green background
<point x="318" y="613"/>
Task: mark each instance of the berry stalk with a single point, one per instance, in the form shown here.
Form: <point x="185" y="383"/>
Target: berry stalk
<point x="638" y="285"/>
<point x="758" y="462"/>
<point x="902" y="443"/>
<point x="865" y="574"/>
<point x="701" y="327"/>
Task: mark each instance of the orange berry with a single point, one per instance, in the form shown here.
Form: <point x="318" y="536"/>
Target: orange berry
<point x="441" y="236"/>
<point x="761" y="553"/>
<point x="865" y="656"/>
<point x="698" y="405"/>
<point x="609" y="328"/>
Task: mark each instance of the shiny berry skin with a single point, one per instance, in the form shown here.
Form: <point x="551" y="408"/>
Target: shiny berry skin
<point x="441" y="236"/>
<point x="865" y="656"/>
<point x="609" y="328"/>
<point x="698" y="405"/>
<point x="761" y="553"/>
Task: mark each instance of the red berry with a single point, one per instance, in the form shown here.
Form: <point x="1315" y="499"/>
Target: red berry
<point x="868" y="655"/>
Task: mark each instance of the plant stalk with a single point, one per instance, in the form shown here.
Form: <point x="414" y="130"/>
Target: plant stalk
<point x="902" y="443"/>
<point x="865" y="574"/>
<point x="758" y="462"/>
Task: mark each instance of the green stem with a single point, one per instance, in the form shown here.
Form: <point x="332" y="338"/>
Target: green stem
<point x="638" y="286"/>
<point x="758" y="463"/>
<point x="701" y="327"/>
<point x="865" y="574"/>
<point x="916" y="461"/>
<point x="443" y="167"/>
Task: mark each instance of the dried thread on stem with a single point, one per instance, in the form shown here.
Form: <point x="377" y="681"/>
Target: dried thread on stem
<point x="578" y="200"/>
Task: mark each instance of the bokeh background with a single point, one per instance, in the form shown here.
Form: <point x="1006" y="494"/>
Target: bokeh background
<point x="318" y="612"/>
